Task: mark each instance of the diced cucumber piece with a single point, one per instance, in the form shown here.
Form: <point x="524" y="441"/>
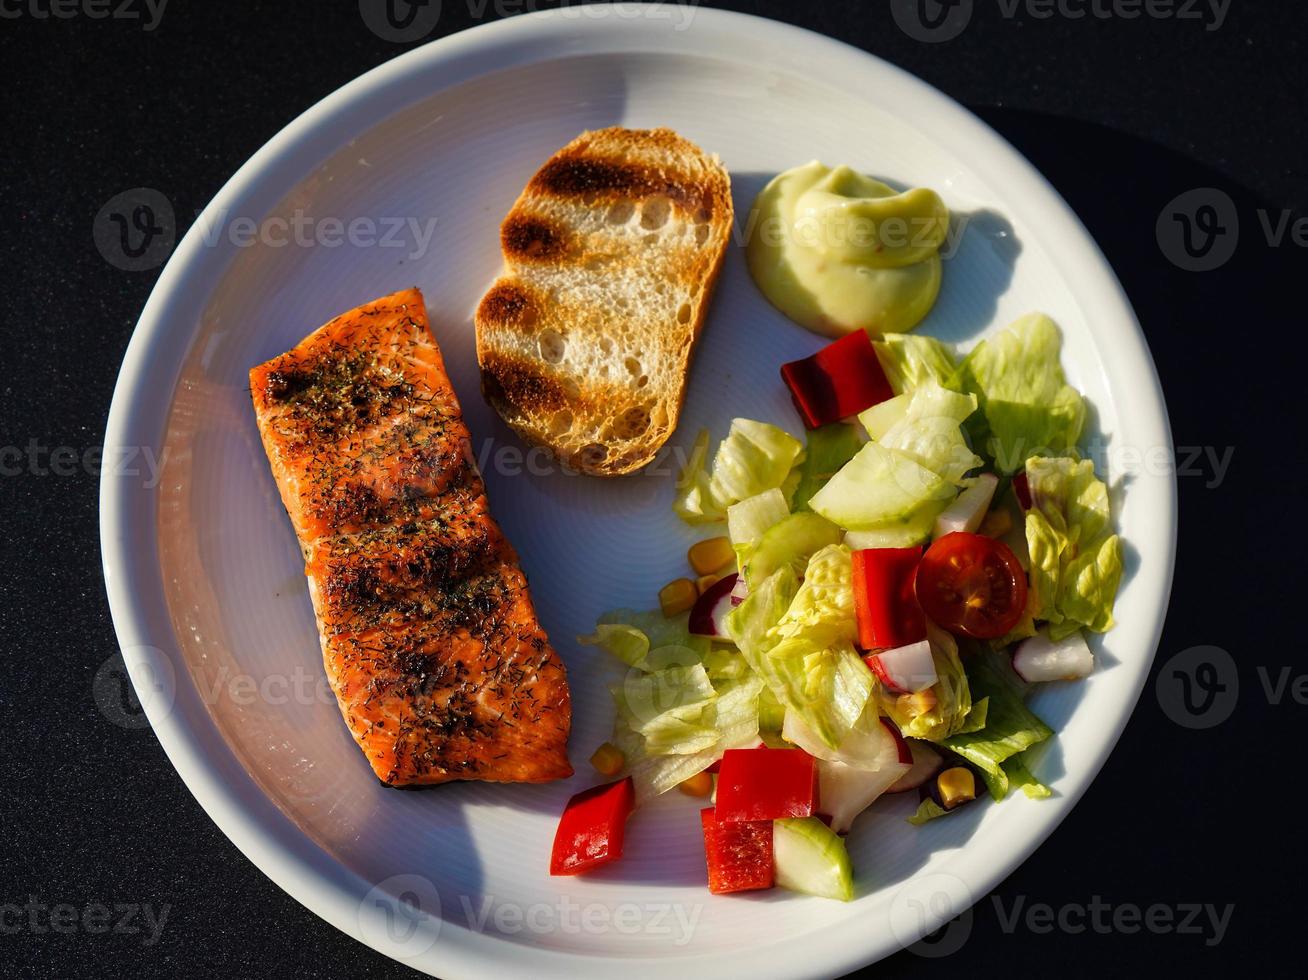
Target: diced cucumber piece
<point x="792" y="542"/>
<point x="881" y="489"/>
<point x="903" y="536"/>
<point x="829" y="448"/>
<point x="811" y="858"/>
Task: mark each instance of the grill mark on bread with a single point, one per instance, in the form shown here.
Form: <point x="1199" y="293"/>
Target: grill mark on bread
<point x="580" y="176"/>
<point x="527" y="237"/>
<point x="509" y="304"/>
<point x="518" y="383"/>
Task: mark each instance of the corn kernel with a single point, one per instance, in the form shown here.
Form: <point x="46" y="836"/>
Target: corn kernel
<point x="920" y="703"/>
<point x="706" y="582"/>
<point x="677" y="597"/>
<point x="712" y="555"/>
<point x="957" y="786"/>
<point x="997" y="523"/>
<point x="700" y="784"/>
<point x="608" y="760"/>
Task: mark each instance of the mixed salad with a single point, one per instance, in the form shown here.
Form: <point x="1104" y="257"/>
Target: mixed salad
<point x="887" y="591"/>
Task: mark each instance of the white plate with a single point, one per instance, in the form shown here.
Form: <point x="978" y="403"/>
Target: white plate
<point x="205" y="578"/>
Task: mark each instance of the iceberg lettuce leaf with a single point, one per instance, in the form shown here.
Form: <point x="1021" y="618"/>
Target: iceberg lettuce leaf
<point x="1027" y="406"/>
<point x="1010" y="728"/>
<point x="930" y="431"/>
<point x="912" y="359"/>
<point x="946" y="708"/>
<point x="929" y="810"/>
<point x="827" y="686"/>
<point x="1076" y="559"/>
<point x="823" y="608"/>
<point x="754" y="457"/>
<point x="638" y="639"/>
<point x="1021" y="777"/>
<point x="734" y="715"/>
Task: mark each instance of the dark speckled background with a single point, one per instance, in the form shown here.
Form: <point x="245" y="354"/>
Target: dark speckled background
<point x="1122" y="114"/>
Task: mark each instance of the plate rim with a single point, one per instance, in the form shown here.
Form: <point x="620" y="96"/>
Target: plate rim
<point x="128" y="529"/>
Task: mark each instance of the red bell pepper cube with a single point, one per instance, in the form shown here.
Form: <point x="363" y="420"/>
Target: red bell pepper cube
<point x="1022" y="487"/>
<point x="840" y="380"/>
<point x="766" y="784"/>
<point x="884" y="600"/>
<point x="593" y="827"/>
<point x="738" y="853"/>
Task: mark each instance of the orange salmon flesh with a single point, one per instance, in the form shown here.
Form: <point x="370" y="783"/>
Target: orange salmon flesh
<point x="429" y="636"/>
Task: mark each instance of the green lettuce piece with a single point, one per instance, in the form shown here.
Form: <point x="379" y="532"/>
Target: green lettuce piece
<point x="725" y="663"/>
<point x="749" y="624"/>
<point x="1027" y="406"/>
<point x="953" y="711"/>
<point x="910" y="359"/>
<point x="679" y="736"/>
<point x="734" y="715"/>
<point x="1010" y="728"/>
<point x="624" y="641"/>
<point x="823" y="609"/>
<point x="642" y="639"/>
<point x="648" y="702"/>
<point x="929" y="810"/>
<point x="771" y="712"/>
<point x="753" y="517"/>
<point x="828" y="687"/>
<point x="684" y="703"/>
<point x="829" y="448"/>
<point x="753" y="458"/>
<point x="1076" y="559"/>
<point x="671" y="655"/>
<point x="930" y="431"/>
<point x="1021" y="777"/>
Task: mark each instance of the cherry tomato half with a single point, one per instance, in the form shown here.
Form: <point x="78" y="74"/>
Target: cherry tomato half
<point x="972" y="585"/>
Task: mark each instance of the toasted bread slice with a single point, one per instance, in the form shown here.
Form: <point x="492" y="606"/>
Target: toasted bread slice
<point x="612" y="252"/>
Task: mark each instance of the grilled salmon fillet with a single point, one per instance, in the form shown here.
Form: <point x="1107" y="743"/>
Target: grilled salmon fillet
<point x="429" y="636"/>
